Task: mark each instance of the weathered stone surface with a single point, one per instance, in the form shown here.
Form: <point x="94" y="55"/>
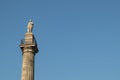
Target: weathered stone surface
<point x="29" y="48"/>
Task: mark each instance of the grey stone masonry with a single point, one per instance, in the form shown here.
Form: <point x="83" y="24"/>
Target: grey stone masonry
<point x="29" y="49"/>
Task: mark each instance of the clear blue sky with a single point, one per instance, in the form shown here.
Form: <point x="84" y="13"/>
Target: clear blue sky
<point x="77" y="39"/>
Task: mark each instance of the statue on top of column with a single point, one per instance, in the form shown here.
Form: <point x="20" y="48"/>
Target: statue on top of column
<point x="30" y="26"/>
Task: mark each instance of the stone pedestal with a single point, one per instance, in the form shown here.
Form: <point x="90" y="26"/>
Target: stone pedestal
<point x="29" y="38"/>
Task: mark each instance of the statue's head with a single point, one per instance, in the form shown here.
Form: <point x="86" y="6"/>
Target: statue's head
<point x="30" y="21"/>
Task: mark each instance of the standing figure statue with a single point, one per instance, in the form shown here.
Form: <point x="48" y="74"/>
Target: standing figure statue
<point x="30" y="26"/>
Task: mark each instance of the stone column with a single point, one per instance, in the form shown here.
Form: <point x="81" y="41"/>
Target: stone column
<point x="29" y="49"/>
<point x="28" y="64"/>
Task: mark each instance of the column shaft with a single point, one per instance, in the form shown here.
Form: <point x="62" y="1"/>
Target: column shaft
<point x="28" y="66"/>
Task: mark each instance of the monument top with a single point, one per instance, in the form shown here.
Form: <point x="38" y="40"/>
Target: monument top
<point x="29" y="39"/>
<point x="30" y="26"/>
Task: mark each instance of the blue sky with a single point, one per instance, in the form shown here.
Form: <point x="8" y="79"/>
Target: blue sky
<point x="77" y="39"/>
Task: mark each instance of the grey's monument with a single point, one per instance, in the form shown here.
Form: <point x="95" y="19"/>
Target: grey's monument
<point x="29" y="49"/>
